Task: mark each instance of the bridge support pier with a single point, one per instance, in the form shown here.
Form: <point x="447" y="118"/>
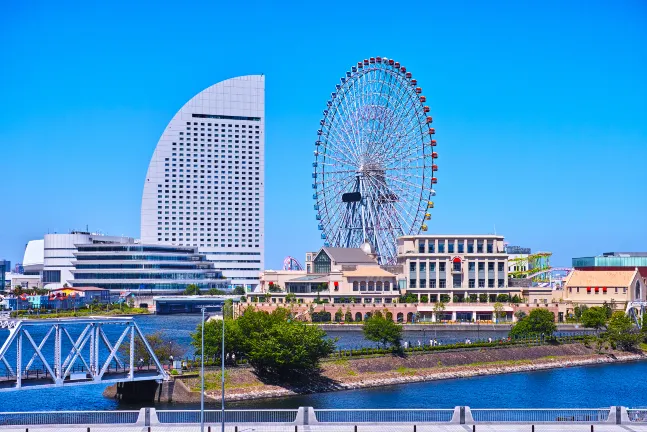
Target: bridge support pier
<point x="137" y="391"/>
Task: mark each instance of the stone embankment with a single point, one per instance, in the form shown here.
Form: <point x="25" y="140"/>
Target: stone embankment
<point x="348" y="373"/>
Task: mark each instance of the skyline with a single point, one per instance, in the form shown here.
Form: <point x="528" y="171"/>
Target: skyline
<point x="583" y="124"/>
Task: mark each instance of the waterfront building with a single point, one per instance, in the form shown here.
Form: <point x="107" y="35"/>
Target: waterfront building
<point x="59" y="250"/>
<point x="143" y="269"/>
<point x="455" y="265"/>
<point x="33" y="259"/>
<point x="88" y="294"/>
<point x="205" y="183"/>
<point x="614" y="261"/>
<point x="597" y="287"/>
<point x="334" y="275"/>
<point x="13" y="280"/>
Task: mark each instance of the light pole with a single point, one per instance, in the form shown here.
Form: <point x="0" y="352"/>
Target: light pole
<point x="222" y="378"/>
<point x="202" y="375"/>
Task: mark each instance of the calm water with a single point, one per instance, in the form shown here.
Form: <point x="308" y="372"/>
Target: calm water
<point x="590" y="386"/>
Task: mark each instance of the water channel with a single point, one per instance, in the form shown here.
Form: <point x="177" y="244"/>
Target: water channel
<point x="590" y="386"/>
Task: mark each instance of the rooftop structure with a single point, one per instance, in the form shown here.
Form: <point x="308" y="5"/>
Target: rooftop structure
<point x="205" y="183"/>
<point x="614" y="261"/>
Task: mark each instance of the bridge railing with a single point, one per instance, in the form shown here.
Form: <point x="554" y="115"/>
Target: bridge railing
<point x="383" y="415"/>
<point x="67" y="418"/>
<point x="231" y="416"/>
<point x="541" y="415"/>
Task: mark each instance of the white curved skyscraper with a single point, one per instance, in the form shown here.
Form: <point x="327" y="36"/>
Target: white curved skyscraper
<point x="205" y="182"/>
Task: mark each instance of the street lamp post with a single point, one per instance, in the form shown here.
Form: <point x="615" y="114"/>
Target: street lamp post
<point x="222" y="359"/>
<point x="202" y="375"/>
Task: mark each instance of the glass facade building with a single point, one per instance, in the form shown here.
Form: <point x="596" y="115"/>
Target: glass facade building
<point x="144" y="268"/>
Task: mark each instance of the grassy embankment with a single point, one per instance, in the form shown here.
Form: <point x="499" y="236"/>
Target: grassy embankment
<point x="81" y="312"/>
<point x="350" y="372"/>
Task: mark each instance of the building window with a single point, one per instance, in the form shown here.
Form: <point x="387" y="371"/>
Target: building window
<point x="490" y="266"/>
<point x="489" y="247"/>
<point x="500" y="266"/>
<point x="432" y="283"/>
<point x="443" y="283"/>
<point x="461" y="248"/>
<point x="412" y="283"/>
<point x="423" y="267"/>
<point x="430" y="247"/>
<point x="457" y="266"/>
<point x="481" y="283"/>
<point x="371" y="286"/>
<point x="471" y="266"/>
<point x="355" y="286"/>
<point x="322" y="263"/>
<point x="51" y="276"/>
<point x="501" y="283"/>
<point x="362" y="286"/>
<point x="387" y="286"/>
<point x="441" y="247"/>
<point x="457" y="281"/>
<point x="423" y="283"/>
<point x="421" y="246"/>
<point x="432" y="267"/>
<point x="450" y="247"/>
<point x="472" y="283"/>
<point x="470" y="248"/>
<point x="479" y="247"/>
<point x="442" y="267"/>
<point x="490" y="283"/>
<point x="412" y="266"/>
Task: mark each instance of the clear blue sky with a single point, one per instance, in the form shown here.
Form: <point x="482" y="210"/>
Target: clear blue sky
<point x="540" y="109"/>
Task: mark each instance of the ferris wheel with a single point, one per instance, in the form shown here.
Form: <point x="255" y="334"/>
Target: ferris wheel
<point x="374" y="167"/>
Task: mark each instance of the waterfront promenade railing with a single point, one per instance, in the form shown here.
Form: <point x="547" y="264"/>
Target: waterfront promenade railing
<point x="68" y="418"/>
<point x="231" y="416"/>
<point x="384" y="415"/>
<point x="311" y="416"/>
<point x="539" y="415"/>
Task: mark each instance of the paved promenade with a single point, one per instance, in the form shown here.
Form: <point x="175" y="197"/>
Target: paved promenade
<point x="390" y="427"/>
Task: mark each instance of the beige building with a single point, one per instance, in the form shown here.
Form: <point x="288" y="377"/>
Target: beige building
<point x="334" y="275"/>
<point x="455" y="265"/>
<point x="595" y="287"/>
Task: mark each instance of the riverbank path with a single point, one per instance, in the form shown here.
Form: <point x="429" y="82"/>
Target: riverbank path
<point x="390" y="427"/>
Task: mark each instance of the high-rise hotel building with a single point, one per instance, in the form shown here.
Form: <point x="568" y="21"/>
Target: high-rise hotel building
<point x="205" y="182"/>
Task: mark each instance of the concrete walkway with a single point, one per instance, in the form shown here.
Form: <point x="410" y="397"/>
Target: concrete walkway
<point x="339" y="428"/>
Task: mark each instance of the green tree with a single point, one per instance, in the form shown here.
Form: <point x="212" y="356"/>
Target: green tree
<point x="439" y="308"/>
<point x="161" y="344"/>
<point x="348" y="316"/>
<point x="290" y="298"/>
<point x="503" y="298"/>
<point x="621" y="332"/>
<point x="239" y="290"/>
<point x="192" y="289"/>
<point x="482" y="298"/>
<point x="539" y="321"/>
<point x="215" y="291"/>
<point x="339" y="315"/>
<point x="595" y="317"/>
<point x="228" y="309"/>
<point x="579" y="310"/>
<point x="424" y="298"/>
<point x="234" y="340"/>
<point x="520" y="314"/>
<point x="288" y="349"/>
<point x="384" y="331"/>
<point x="275" y="288"/>
<point x="498" y="311"/>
